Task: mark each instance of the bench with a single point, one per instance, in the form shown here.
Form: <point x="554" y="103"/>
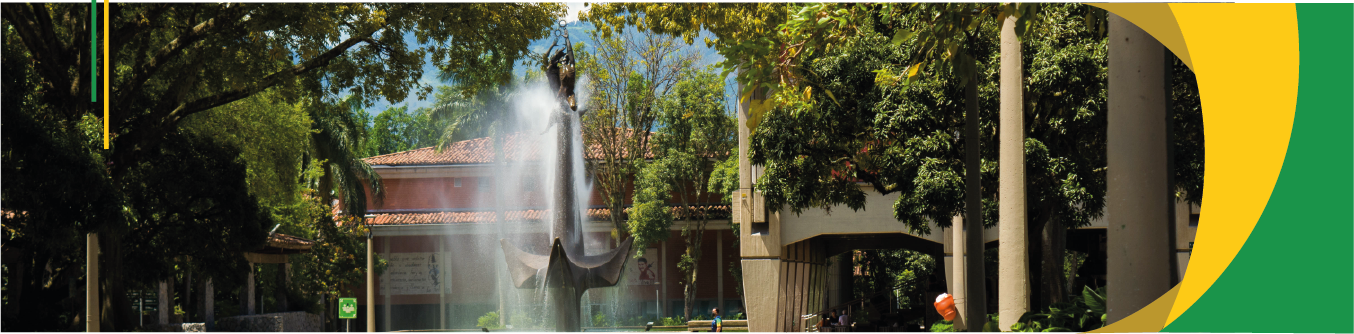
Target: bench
<point x="704" y="325"/>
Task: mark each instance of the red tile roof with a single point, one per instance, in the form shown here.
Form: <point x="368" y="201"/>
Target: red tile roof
<point x="473" y="151"/>
<point x="715" y="212"/>
<point x="516" y="148"/>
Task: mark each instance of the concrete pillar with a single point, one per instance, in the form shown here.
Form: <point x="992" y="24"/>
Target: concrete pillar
<point x="385" y="292"/>
<point x="371" y="288"/>
<point x="719" y="270"/>
<point x="663" y="277"/>
<point x="959" y="285"/>
<point x="92" y="282"/>
<point x="162" y="303"/>
<point x="442" y="287"/>
<point x="209" y="303"/>
<point x="1013" y="288"/>
<point x="760" y="286"/>
<point x="1137" y="194"/>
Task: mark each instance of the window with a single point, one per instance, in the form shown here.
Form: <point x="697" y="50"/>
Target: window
<point x="482" y="183"/>
<point x="458" y="182"/>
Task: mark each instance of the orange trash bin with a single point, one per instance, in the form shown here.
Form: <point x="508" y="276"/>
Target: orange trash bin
<point x="945" y="305"/>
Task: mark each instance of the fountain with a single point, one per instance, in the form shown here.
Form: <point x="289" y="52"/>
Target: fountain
<point x="566" y="270"/>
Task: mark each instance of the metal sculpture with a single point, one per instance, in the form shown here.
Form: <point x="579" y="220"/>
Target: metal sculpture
<point x="567" y="271"/>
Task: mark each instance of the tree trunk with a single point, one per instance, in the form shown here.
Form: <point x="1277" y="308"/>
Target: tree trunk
<point x="17" y="259"/>
<point x="1053" y="280"/>
<point x="1036" y="242"/>
<point x="977" y="294"/>
<point x="689" y="293"/>
<point x="115" y="315"/>
<point x="188" y="291"/>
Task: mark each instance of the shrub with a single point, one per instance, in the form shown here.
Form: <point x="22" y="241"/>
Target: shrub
<point x="942" y="326"/>
<point x="488" y="320"/>
<point x="1082" y="315"/>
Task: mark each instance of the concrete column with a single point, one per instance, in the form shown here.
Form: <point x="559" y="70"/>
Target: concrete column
<point x="371" y="289"/>
<point x="1013" y="288"/>
<point x="1137" y="193"/>
<point x="442" y="288"/>
<point x="385" y="292"/>
<point x="162" y="303"/>
<point x="761" y="286"/>
<point x="959" y="286"/>
<point x="92" y="282"/>
<point x="719" y="270"/>
<point x="209" y="303"/>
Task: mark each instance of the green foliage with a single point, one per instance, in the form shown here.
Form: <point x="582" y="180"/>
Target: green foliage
<point x="521" y="321"/>
<point x="1084" y="314"/>
<point x="396" y="129"/>
<point x="694" y="128"/>
<point x="900" y="139"/>
<point x="628" y="74"/>
<point x="602" y="320"/>
<point x="904" y="273"/>
<point x="695" y="133"/>
<point x="488" y="320"/>
<point x="674" y="321"/>
<point x="724" y="177"/>
<point x="991" y="325"/>
<point x="1187" y="132"/>
<point x="943" y="326"/>
<point x="748" y="35"/>
<point x="272" y="136"/>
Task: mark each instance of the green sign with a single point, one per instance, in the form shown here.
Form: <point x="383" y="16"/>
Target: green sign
<point x="347" y="308"/>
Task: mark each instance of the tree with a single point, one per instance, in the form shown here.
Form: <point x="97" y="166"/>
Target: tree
<point x="744" y="33"/>
<point x="695" y="134"/>
<point x="277" y="147"/>
<point x="397" y="129"/>
<point x="1065" y="105"/>
<point x="179" y="60"/>
<point x="56" y="190"/>
<point x="628" y="74"/>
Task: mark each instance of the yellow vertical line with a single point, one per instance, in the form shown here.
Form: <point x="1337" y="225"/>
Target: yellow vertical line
<point x="105" y="74"/>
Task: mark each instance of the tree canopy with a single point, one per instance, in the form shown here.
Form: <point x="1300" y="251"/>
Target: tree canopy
<point x="173" y="184"/>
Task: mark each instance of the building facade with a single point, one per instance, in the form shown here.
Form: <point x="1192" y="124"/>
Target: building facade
<point x="439" y="231"/>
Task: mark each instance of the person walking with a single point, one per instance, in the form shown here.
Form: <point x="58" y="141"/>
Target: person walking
<point x="717" y="324"/>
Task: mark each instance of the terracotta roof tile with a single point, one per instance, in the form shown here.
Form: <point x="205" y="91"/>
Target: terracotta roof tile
<point x="484" y="217"/>
<point x="473" y="151"/>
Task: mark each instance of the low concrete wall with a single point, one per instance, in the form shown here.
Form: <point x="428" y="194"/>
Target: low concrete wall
<point x="270" y="322"/>
<point x="182" y="327"/>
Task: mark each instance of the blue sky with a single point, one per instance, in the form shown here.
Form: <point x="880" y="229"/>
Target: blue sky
<point x="577" y="33"/>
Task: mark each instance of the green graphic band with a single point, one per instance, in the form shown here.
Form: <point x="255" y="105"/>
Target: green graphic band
<point x="94" y="50"/>
<point x="1294" y="272"/>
